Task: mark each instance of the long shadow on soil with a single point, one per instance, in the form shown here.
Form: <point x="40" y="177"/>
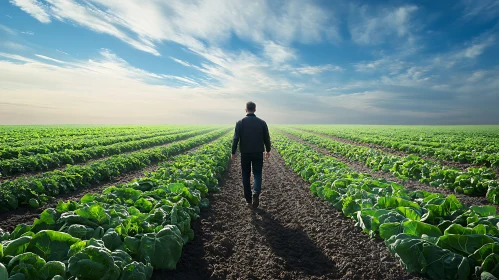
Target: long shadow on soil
<point x="292" y="245"/>
<point x="192" y="264"/>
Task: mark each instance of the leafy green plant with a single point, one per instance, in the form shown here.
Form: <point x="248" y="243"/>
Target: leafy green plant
<point x="431" y="234"/>
<point x="465" y="145"/>
<point x="107" y="137"/>
<point x="124" y="232"/>
<point x="474" y="181"/>
<point x="43" y="187"/>
<point x="40" y="162"/>
<point x="4" y="275"/>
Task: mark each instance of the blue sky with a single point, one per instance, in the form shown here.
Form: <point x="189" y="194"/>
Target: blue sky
<point x="158" y="61"/>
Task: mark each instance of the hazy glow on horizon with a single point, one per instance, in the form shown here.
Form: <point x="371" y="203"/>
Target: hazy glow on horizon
<point x="111" y="61"/>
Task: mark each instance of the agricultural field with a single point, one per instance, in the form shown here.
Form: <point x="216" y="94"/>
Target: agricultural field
<point x="166" y="202"/>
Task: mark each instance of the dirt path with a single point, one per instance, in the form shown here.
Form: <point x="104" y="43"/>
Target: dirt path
<point x="293" y="235"/>
<point x="409" y="184"/>
<point x="9" y="220"/>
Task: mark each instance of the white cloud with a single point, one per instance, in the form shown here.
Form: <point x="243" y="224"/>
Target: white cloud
<point x="181" y="79"/>
<point x="13" y="45"/>
<point x="259" y="63"/>
<point x="108" y="89"/>
<point x="278" y="54"/>
<point x="465" y="55"/>
<point x="367" y="27"/>
<point x="477" y="47"/>
<point x="49" y="58"/>
<point x="97" y="20"/>
<point x="480" y="9"/>
<point x="7" y="30"/>
<point x="34" y="8"/>
<point x="375" y="103"/>
<point x="109" y="64"/>
<point x="28" y="32"/>
<point x="367" y="66"/>
<point x="17" y="57"/>
<point x="62" y="52"/>
<point x="392" y="65"/>
<point x="179" y="61"/>
<point x="144" y="24"/>
<point x="314" y="70"/>
<point x="474" y="50"/>
<point x="105" y="89"/>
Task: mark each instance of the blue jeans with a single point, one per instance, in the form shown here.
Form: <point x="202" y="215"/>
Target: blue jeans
<point x="249" y="160"/>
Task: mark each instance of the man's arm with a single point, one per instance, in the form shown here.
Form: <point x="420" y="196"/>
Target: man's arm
<point x="266" y="137"/>
<point x="235" y="140"/>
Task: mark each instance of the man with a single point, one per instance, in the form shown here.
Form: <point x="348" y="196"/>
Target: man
<point x="252" y="134"/>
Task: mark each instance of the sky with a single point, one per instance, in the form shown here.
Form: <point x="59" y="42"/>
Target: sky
<point x="300" y="61"/>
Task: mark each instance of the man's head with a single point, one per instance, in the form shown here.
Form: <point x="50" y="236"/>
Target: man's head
<point x="250" y="107"/>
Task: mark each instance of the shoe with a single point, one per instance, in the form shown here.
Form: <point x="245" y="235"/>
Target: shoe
<point x="256" y="200"/>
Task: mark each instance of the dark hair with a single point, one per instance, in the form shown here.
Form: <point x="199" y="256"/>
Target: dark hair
<point x="251" y="106"/>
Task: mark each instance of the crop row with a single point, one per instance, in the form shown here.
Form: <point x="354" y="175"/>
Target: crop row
<point x="34" y="136"/>
<point x="9" y="152"/>
<point x="462" y="139"/>
<point x="458" y="152"/>
<point x="41" y="162"/>
<point x="473" y="181"/>
<point x="36" y="190"/>
<point x="429" y="233"/>
<point x="123" y="233"/>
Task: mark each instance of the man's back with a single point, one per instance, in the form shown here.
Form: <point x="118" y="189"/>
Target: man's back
<point x="252" y="134"/>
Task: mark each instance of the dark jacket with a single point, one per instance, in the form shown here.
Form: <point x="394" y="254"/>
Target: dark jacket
<point x="252" y="133"/>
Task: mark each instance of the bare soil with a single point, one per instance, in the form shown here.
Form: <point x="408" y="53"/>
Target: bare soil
<point x="62" y="168"/>
<point x="409" y="184"/>
<point x="9" y="220"/>
<point x="293" y="235"/>
<point x="453" y="164"/>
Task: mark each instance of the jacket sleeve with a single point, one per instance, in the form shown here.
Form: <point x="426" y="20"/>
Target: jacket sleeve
<point x="237" y="135"/>
<point x="266" y="137"/>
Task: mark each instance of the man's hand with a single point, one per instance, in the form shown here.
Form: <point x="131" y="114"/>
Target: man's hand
<point x="267" y="155"/>
<point x="233" y="156"/>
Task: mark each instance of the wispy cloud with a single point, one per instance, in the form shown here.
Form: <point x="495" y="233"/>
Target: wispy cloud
<point x="481" y="10"/>
<point x="59" y="51"/>
<point x="277" y="53"/>
<point x="28" y="32"/>
<point x="13" y="45"/>
<point x="184" y="80"/>
<point x="7" y="30"/>
<point x="314" y="70"/>
<point x="327" y="62"/>
<point x="49" y="58"/>
<point x="387" y="64"/>
<point x="34" y="8"/>
<point x="106" y="87"/>
<point x="368" y="66"/>
<point x="466" y="54"/>
<point x="17" y="58"/>
<point x="477" y="47"/>
<point x="144" y="24"/>
<point x="368" y="25"/>
<point x="179" y="61"/>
